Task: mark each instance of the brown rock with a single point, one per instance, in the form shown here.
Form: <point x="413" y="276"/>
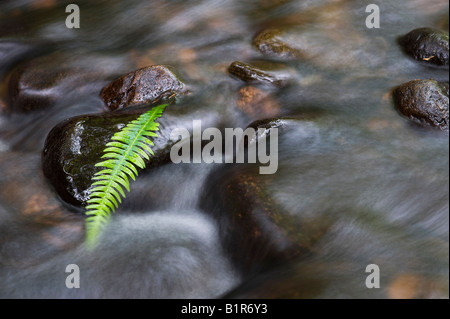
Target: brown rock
<point x="351" y="50"/>
<point x="254" y="228"/>
<point x="269" y="43"/>
<point x="257" y="103"/>
<point x="404" y="286"/>
<point x="254" y="74"/>
<point x="145" y="85"/>
<point x="424" y="102"/>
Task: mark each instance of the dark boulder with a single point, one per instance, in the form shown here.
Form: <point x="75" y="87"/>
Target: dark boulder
<point x="424" y="102"/>
<point x="146" y="85"/>
<point x="427" y="44"/>
<point x="74" y="146"/>
<point x="255" y="228"/>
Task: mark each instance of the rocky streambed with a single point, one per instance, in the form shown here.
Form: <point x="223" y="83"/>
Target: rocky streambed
<point x="362" y="169"/>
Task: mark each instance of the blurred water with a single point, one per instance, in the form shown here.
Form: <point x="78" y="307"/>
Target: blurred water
<point x="383" y="182"/>
<point x="174" y="254"/>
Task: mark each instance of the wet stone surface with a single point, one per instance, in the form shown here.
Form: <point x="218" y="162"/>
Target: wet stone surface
<point x="427" y="45"/>
<point x="255" y="229"/>
<point x="74" y="146"/>
<point x="425" y="102"/>
<point x="146" y="85"/>
<point x="269" y="43"/>
<point x="261" y="73"/>
<point x="348" y="48"/>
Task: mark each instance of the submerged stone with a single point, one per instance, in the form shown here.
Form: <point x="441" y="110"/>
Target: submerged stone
<point x="257" y="103"/>
<point x="255" y="229"/>
<point x="350" y="50"/>
<point x="270" y="42"/>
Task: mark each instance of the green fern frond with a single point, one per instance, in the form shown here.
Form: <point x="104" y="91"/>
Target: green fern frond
<point x="128" y="150"/>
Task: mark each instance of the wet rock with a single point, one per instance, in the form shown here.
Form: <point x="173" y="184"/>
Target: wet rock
<point x="257" y="103"/>
<point x="253" y="74"/>
<point x="351" y="50"/>
<point x="427" y="44"/>
<point x="424" y="102"/>
<point x="74" y="146"/>
<point x="41" y="82"/>
<point x="270" y="43"/>
<point x="145" y="85"/>
<point x="255" y="229"/>
<point x="246" y="212"/>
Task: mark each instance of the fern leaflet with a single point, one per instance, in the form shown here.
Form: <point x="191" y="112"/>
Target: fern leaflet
<point x="124" y="154"/>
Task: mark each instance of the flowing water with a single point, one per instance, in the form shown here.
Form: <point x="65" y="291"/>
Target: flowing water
<point x="380" y="182"/>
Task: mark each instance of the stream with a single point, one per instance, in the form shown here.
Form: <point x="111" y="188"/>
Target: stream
<point x="357" y="183"/>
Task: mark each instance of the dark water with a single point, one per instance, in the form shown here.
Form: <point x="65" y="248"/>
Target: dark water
<point x="381" y="183"/>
